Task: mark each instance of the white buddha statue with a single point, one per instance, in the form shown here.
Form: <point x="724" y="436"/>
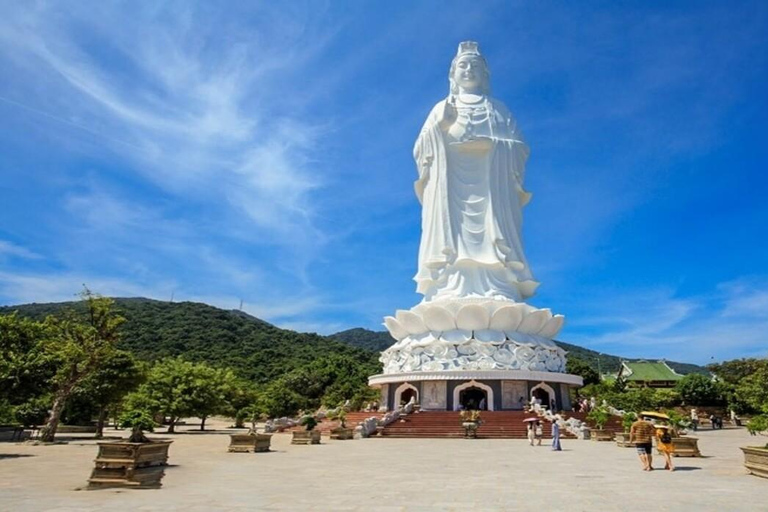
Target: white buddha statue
<point x="471" y="159"/>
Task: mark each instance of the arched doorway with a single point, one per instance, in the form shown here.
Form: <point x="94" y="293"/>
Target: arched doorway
<point x="407" y="395"/>
<point x="488" y="390"/>
<point x="404" y="393"/>
<point x="545" y="394"/>
<point x="473" y="399"/>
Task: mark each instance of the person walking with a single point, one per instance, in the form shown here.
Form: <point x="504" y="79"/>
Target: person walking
<point x="641" y="434"/>
<point x="664" y="444"/>
<point x="539" y="432"/>
<point x="531" y="432"/>
<point x="556" y="436"/>
<point x="694" y="420"/>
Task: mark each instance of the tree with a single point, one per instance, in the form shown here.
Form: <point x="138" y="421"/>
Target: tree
<point x="210" y="391"/>
<point x="732" y="372"/>
<point x="106" y="387"/>
<point x="167" y="390"/>
<point x="697" y="389"/>
<point x="178" y="389"/>
<point x="576" y="366"/>
<point x="753" y="389"/>
<point x="24" y="373"/>
<point x="78" y="346"/>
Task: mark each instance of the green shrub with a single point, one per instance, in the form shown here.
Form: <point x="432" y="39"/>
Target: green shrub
<point x="309" y="422"/>
<point x="33" y="412"/>
<point x="627" y="420"/>
<point x="599" y="416"/>
<point x="139" y="421"/>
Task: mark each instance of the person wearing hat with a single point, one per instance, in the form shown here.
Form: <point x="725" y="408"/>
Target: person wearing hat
<point x="664" y="434"/>
<point x="641" y="434"/>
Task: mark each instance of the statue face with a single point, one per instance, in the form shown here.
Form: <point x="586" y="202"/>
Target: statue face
<point x="470" y="73"/>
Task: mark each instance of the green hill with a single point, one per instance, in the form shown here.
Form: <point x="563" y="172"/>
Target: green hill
<point x="257" y="350"/>
<point x="606" y="363"/>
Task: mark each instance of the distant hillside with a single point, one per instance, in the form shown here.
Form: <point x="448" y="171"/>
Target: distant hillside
<point x="254" y="348"/>
<point x="257" y="350"/>
<point x="381" y="340"/>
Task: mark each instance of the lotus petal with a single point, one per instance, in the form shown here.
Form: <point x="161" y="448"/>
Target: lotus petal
<point x="532" y="322"/>
<point x="503" y="356"/>
<point x="473" y="316"/>
<point x="524" y="354"/>
<point x="439" y="319"/>
<point x="552" y="327"/>
<point x="489" y="335"/>
<point x="411" y="322"/>
<point x="395" y="329"/>
<point x="521" y="338"/>
<point x="507" y="318"/>
<point x="485" y="364"/>
<point x="457" y="336"/>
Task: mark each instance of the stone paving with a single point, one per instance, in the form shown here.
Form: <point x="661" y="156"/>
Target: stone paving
<point x="391" y="475"/>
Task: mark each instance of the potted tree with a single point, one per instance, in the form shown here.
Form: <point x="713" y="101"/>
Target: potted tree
<point x="600" y="416"/>
<point x="756" y="457"/>
<point x="685" y="446"/>
<point x="251" y="441"/>
<point x="470" y="420"/>
<point x="622" y="438"/>
<point x="309" y="435"/>
<point x="136" y="463"/>
<point x="341" y="432"/>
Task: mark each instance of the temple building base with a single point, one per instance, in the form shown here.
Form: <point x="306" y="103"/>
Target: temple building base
<point x="492" y="390"/>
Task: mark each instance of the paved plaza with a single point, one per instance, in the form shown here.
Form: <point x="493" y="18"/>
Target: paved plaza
<point x="391" y="475"/>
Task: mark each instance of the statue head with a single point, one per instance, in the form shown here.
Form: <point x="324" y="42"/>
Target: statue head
<point x="469" y="71"/>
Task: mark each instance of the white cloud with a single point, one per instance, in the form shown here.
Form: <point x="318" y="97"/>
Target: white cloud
<point x="8" y="249"/>
<point x="731" y="322"/>
<point x="196" y="113"/>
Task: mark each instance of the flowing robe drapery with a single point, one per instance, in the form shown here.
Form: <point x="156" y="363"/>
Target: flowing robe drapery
<point x="471" y="191"/>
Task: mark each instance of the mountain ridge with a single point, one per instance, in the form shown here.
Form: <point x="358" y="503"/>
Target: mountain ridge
<point x="257" y="349"/>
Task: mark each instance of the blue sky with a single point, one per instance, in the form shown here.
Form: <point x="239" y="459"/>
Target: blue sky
<point x="263" y="153"/>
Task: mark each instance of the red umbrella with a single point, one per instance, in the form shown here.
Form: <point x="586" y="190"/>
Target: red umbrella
<point x="530" y="419"/>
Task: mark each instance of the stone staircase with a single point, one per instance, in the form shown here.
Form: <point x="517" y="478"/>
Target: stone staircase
<point x="447" y="424"/>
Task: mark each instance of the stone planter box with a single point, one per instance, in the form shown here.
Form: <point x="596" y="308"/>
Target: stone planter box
<point x="685" y="447"/>
<point x="470" y="429"/>
<point x="342" y="433"/>
<point x="131" y="465"/>
<point x="756" y="460"/>
<point x="601" y="435"/>
<point x="245" y="443"/>
<point x="622" y="440"/>
<point x="306" y="437"/>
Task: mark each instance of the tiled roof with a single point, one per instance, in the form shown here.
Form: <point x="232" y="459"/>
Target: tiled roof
<point x="647" y="372"/>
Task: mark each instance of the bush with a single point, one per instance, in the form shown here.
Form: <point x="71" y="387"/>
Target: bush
<point x="33" y="412"/>
<point x="599" y="416"/>
<point x="309" y="422"/>
<point x="632" y="400"/>
<point x="139" y="421"/>
<point x="6" y="413"/>
<point x="697" y="389"/>
<point x="627" y="420"/>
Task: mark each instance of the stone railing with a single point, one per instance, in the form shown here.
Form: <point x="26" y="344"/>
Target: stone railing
<point x="368" y="427"/>
<point x="573" y="425"/>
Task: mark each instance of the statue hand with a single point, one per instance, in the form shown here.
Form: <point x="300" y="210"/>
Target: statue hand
<point x="447" y="115"/>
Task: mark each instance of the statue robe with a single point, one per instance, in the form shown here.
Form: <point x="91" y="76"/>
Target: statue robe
<point x="471" y="191"/>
